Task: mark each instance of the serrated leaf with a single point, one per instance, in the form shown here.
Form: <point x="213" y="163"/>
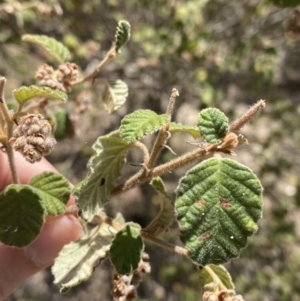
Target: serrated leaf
<point x="63" y="125"/>
<point x="126" y="249"/>
<point x="114" y="95"/>
<point x="55" y="48"/>
<point x="75" y="262"/>
<point x="54" y="191"/>
<point x="184" y="128"/>
<point x="218" y="205"/>
<point x="22" y="215"/>
<point x="286" y="3"/>
<point x="23" y="94"/>
<point x="220" y="271"/>
<point x="213" y="125"/>
<point x="138" y="124"/>
<point x="104" y="168"/>
<point x="160" y="225"/>
<point x="122" y="34"/>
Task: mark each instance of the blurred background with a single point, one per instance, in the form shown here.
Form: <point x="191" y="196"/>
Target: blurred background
<point x="224" y="54"/>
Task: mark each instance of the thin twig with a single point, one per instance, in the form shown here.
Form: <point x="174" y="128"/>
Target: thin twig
<point x="163" y="244"/>
<point x="9" y="133"/>
<point x="252" y="112"/>
<point x="144" y="150"/>
<point x="171" y="103"/>
<point x="145" y="175"/>
<point x="109" y="56"/>
<point x="162" y="136"/>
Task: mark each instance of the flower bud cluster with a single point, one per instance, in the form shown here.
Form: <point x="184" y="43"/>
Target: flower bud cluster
<point x="60" y="79"/>
<point x="32" y="137"/>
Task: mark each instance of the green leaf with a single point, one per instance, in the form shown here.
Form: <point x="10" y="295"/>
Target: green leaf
<point x="220" y="271"/>
<point x="218" y="204"/>
<point x="76" y="261"/>
<point x="286" y="3"/>
<point x="54" y="191"/>
<point x="114" y="95"/>
<point x="56" y="49"/>
<point x="160" y="225"/>
<point x="126" y="249"/>
<point x="104" y="168"/>
<point x="213" y="125"/>
<point x="122" y="34"/>
<point x="184" y="128"/>
<point x="63" y="125"/>
<point x="138" y="124"/>
<point x="22" y="215"/>
<point x="23" y="94"/>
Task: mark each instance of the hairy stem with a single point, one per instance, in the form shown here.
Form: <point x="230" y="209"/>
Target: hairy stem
<point x="162" y="136"/>
<point x="9" y="132"/>
<point x="109" y="56"/>
<point x="146" y="175"/>
<point x="163" y="244"/>
<point x="252" y="112"/>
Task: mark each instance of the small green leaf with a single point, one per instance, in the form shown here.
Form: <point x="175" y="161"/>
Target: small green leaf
<point x="184" y="128"/>
<point x="218" y="205"/>
<point x="114" y="95"/>
<point x="126" y="249"/>
<point x="104" y="168"/>
<point x="56" y="49"/>
<point x="75" y="262"/>
<point x="213" y="125"/>
<point x="160" y="225"/>
<point x="122" y="34"/>
<point x="63" y="125"/>
<point x="54" y="191"/>
<point x="286" y="3"/>
<point x="138" y="124"/>
<point x="220" y="271"/>
<point x="23" y="94"/>
<point x="22" y="215"/>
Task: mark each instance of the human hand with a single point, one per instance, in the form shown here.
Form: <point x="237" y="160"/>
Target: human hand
<point x="17" y="264"/>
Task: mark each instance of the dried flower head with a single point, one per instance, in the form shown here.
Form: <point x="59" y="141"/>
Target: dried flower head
<point x="60" y="79"/>
<point x="124" y="286"/>
<point x="32" y="137"/>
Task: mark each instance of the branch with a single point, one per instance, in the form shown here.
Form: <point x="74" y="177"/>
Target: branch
<point x="146" y="175"/>
<point x="9" y="132"/>
<point x="109" y="56"/>
<point x="163" y="244"/>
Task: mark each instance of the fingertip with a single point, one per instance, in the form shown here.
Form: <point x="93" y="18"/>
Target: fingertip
<point x="56" y="233"/>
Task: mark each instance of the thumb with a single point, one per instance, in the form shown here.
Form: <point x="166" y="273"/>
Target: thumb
<point x="16" y="264"/>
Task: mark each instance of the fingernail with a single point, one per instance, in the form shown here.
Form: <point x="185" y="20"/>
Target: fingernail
<point x="54" y="235"/>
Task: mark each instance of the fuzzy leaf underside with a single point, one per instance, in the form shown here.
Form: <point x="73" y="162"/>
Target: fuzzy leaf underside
<point x="114" y="95"/>
<point x="220" y="271"/>
<point x="126" y="249"/>
<point x="166" y="215"/>
<point x="213" y="125"/>
<point x="54" y="191"/>
<point x="138" y="124"/>
<point x="122" y="35"/>
<point x="55" y="48"/>
<point x="76" y="261"/>
<point x="184" y="128"/>
<point x="104" y="168"/>
<point x="23" y="94"/>
<point x="22" y="215"/>
<point x="218" y="204"/>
